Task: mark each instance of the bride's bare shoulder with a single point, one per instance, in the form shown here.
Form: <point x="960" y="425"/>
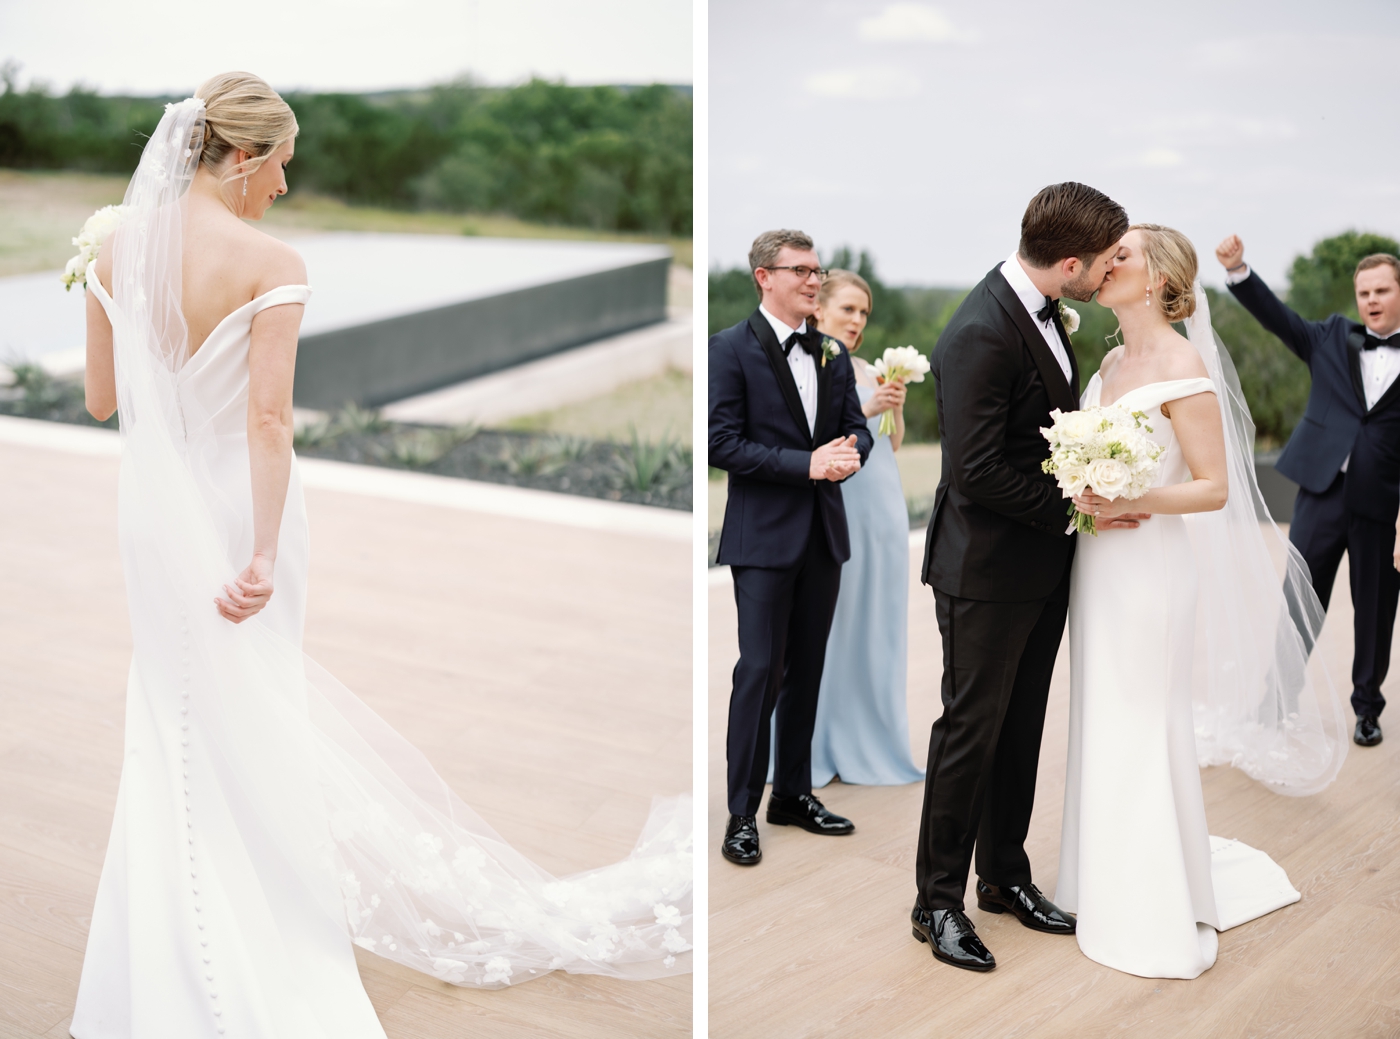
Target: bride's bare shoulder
<point x="1182" y="360"/>
<point x="1110" y="361"/>
<point x="276" y="262"/>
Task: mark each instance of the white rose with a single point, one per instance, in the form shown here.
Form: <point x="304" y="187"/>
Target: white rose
<point x="1108" y="477"/>
<point x="1077" y="425"/>
<point x="1073" y="479"/>
<point x="1070" y="317"/>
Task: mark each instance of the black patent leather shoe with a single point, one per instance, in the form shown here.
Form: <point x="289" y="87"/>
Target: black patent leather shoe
<point x="806" y="811"/>
<point x="741" y="841"/>
<point x="951" y="936"/>
<point x="1027" y="904"/>
<point x="1368" y="732"/>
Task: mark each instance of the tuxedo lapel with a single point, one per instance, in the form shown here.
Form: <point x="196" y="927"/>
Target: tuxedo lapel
<point x="823" y="397"/>
<point x="786" y="383"/>
<point x="1062" y="395"/>
<point x="1069" y="352"/>
<point x="1354" y="341"/>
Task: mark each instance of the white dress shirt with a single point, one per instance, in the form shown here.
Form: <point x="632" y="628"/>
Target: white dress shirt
<point x="1379" y="367"/>
<point x="1033" y="300"/>
<point x="804" y="368"/>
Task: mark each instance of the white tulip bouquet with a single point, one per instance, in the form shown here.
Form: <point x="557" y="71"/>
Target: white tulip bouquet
<point x="900" y="363"/>
<point x="95" y="230"/>
<point x="1106" y="450"/>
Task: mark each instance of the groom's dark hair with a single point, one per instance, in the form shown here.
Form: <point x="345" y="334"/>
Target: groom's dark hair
<point x="1070" y="219"/>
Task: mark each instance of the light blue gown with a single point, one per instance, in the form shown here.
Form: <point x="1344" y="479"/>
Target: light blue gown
<point x="862" y="729"/>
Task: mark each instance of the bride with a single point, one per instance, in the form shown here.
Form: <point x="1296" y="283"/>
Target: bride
<point x="267" y="819"/>
<point x="1183" y="649"/>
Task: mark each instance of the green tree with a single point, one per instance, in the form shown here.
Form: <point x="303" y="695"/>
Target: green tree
<point x="612" y="158"/>
<point x="1320" y="284"/>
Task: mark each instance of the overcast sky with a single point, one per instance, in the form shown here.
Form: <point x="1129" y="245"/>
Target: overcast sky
<point x="170" y="46"/>
<point x="920" y="131"/>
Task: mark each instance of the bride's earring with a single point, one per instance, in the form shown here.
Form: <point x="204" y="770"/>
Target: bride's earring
<point x="1149" y="288"/>
<point x="245" y="188"/>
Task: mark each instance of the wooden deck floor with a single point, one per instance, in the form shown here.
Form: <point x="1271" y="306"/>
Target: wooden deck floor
<point x="545" y="671"/>
<point x="815" y="941"/>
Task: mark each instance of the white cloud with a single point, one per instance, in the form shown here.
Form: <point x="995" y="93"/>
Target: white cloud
<point x="912" y="23"/>
<point x="864" y="84"/>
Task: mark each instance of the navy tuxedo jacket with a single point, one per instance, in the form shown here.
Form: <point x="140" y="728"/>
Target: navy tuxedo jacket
<point x="758" y="434"/>
<point x="1336" y="423"/>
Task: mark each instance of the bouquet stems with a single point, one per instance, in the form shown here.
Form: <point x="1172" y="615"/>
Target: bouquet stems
<point x="1082" y="522"/>
<point x="887" y="423"/>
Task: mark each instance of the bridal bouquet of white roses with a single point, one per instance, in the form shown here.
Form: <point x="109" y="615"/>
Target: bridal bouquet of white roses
<point x="1105" y="450"/>
<point x="905" y="364"/>
<point x="89" y="240"/>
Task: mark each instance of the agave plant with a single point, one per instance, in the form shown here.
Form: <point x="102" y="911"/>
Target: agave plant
<point x="422" y="447"/>
<point x="354" y="419"/>
<point x="644" y="464"/>
<point x="531" y="458"/>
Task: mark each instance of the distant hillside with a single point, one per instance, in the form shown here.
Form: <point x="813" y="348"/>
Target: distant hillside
<point x="608" y="158"/>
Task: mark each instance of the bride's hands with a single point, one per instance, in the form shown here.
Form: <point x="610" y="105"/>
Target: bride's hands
<point x="1109" y="515"/>
<point x="250" y="592"/>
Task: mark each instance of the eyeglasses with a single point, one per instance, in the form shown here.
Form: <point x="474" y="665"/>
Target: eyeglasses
<point x="803" y="273"/>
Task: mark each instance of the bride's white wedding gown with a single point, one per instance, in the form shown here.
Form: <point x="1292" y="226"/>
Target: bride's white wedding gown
<point x="1137" y="864"/>
<point x="266" y="818"/>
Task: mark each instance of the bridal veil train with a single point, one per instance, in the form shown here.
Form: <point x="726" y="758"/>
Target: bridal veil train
<point x="266" y="818"/>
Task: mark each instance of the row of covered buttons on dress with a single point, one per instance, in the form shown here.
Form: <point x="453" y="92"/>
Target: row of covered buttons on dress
<point x="189" y="818"/>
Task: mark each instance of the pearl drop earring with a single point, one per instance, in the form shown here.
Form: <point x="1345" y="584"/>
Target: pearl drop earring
<point x="1149" y="288"/>
<point x="245" y="187"/>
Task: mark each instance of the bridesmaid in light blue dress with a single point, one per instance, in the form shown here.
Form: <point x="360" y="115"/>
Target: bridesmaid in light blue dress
<point x="862" y="729"/>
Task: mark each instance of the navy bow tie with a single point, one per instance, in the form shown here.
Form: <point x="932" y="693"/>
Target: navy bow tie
<point x="810" y="341"/>
<point x="1048" y="311"/>
<point x="1372" y="341"/>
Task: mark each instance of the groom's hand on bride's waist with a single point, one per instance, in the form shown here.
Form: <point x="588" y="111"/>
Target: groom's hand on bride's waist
<point x="1127" y="521"/>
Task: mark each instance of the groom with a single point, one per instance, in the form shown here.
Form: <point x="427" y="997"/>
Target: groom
<point x="786" y="423"/>
<point x="998" y="558"/>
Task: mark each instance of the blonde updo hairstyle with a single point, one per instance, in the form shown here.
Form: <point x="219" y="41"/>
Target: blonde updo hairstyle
<point x="242" y="112"/>
<point x="1171" y="256"/>
<point x="837" y="278"/>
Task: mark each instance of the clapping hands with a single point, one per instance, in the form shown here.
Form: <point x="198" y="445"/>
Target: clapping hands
<point x="835" y="461"/>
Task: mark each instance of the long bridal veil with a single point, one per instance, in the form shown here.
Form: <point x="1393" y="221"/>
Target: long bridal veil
<point x="333" y="806"/>
<point x="1261" y="704"/>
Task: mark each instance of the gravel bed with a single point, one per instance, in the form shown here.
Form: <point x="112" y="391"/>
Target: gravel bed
<point x="641" y="471"/>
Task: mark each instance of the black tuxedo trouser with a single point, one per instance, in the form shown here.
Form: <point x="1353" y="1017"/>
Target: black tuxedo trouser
<point x="1322" y="529"/>
<point x="984" y="749"/>
<point x="784" y="619"/>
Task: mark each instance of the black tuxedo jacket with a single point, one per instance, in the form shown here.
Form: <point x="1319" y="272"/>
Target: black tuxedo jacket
<point x="1336" y="422"/>
<point x="997" y="533"/>
<point x="758" y="434"/>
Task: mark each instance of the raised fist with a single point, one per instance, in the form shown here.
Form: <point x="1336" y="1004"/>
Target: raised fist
<point x="1230" y="252"/>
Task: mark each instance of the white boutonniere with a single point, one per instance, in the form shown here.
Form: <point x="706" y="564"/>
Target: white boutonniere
<point x="90" y="238"/>
<point x="1070" y="317"/>
<point x="831" y="348"/>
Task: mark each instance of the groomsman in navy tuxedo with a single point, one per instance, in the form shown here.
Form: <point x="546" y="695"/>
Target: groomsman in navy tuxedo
<point x="786" y="424"/>
<point x="1345" y="455"/>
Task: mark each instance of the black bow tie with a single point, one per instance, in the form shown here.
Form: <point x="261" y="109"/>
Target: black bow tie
<point x="1048" y="311"/>
<point x="1372" y="341"/>
<point x="810" y="341"/>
